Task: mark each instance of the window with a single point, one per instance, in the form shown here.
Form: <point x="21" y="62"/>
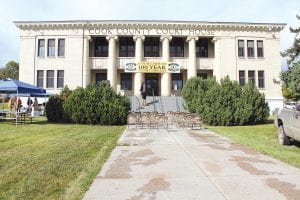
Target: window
<point x="251" y="76"/>
<point x="101" y="47"/>
<point x="60" y="78"/>
<point x="50" y="79"/>
<point x="51" y="47"/>
<point x="260" y="49"/>
<point x="241" y="48"/>
<point x="177" y="47"/>
<point x="242" y="78"/>
<point x="41" y="48"/>
<point x="40" y="78"/>
<point x="126" y="81"/>
<point x="100" y="77"/>
<point x="126" y="47"/>
<point x="202" y="48"/>
<point x="250" y="48"/>
<point x="151" y="47"/>
<point x="177" y="81"/>
<point x="61" y="47"/>
<point x="202" y="75"/>
<point x="261" y="79"/>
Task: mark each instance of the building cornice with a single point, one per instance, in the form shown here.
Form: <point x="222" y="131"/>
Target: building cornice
<point x="235" y="26"/>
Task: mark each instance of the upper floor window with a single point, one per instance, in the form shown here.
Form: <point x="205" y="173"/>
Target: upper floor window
<point x="126" y="47"/>
<point x="41" y="48"/>
<point x="50" y="79"/>
<point x="242" y="78"/>
<point x="40" y="78"/>
<point x="60" y="78"/>
<point x="177" y="47"/>
<point x="241" y="48"/>
<point x="151" y="47"/>
<point x="61" y="47"/>
<point x="250" y="48"/>
<point x="202" y="48"/>
<point x="51" y="47"/>
<point x="101" y="47"/>
<point x="260" y="49"/>
<point x="261" y="79"/>
<point x="251" y="76"/>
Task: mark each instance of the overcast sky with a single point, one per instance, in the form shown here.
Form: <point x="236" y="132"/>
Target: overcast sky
<point x="275" y="11"/>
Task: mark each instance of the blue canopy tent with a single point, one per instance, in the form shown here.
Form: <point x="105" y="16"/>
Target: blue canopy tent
<point x="8" y="85"/>
<point x="11" y="86"/>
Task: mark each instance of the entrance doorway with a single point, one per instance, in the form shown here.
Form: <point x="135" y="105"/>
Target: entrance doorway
<point x="151" y="81"/>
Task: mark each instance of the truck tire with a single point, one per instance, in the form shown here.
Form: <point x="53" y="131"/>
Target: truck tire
<point x="282" y="138"/>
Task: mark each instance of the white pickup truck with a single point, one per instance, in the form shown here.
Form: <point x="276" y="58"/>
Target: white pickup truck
<point x="288" y="123"/>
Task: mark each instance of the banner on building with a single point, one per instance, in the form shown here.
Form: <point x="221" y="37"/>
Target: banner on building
<point x="152" y="67"/>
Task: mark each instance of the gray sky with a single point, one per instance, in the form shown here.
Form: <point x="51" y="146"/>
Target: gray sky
<point x="276" y="11"/>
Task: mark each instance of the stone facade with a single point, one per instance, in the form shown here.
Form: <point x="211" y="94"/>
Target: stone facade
<point x="80" y="66"/>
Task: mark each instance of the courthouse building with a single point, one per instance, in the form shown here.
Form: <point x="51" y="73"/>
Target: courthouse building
<point x="163" y="54"/>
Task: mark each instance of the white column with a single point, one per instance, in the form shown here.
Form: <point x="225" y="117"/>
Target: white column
<point x="217" y="61"/>
<point x="139" y="55"/>
<point x="192" y="68"/>
<point x="165" y="77"/>
<point x="86" y="71"/>
<point x="111" y="65"/>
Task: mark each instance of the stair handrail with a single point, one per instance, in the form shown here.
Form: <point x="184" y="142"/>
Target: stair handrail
<point x="177" y="104"/>
<point x="154" y="106"/>
<point x="139" y="105"/>
<point x="161" y="105"/>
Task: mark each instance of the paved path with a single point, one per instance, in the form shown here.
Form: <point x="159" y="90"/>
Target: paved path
<point x="190" y="164"/>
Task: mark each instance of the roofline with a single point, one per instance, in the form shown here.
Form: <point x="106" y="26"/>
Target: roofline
<point x="147" y="21"/>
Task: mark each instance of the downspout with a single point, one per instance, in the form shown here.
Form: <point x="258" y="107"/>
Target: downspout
<point x="82" y="55"/>
<point x="235" y="50"/>
<point x="34" y="61"/>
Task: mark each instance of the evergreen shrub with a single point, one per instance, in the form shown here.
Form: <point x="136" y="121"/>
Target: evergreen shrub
<point x="54" y="109"/>
<point x="97" y="104"/>
<point x="225" y="103"/>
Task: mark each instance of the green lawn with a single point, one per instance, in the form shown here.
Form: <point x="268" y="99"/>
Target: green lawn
<point x="52" y="161"/>
<point x="262" y="138"/>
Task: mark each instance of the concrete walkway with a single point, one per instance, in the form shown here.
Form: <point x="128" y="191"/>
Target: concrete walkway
<point x="190" y="164"/>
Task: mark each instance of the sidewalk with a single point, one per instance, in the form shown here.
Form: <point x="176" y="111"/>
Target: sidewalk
<point x="179" y="164"/>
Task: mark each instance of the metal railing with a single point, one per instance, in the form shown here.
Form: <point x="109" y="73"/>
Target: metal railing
<point x="139" y="105"/>
<point x="154" y="106"/>
<point x="161" y="105"/>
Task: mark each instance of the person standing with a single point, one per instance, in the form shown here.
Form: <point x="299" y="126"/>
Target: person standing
<point x="143" y="93"/>
<point x="29" y="105"/>
<point x="19" y="104"/>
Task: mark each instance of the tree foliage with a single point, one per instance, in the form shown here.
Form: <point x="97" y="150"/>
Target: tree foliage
<point x="291" y="77"/>
<point x="292" y="53"/>
<point x="225" y="103"/>
<point x="11" y="70"/>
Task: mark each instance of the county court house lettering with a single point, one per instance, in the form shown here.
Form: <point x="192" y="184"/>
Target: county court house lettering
<point x="163" y="54"/>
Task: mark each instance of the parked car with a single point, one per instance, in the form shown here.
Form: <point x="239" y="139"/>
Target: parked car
<point x="288" y="123"/>
<point x="290" y="105"/>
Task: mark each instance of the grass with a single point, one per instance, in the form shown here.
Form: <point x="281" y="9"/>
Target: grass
<point x="52" y="161"/>
<point x="262" y="138"/>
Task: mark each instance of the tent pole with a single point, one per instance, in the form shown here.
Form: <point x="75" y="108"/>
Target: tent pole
<point x="17" y="107"/>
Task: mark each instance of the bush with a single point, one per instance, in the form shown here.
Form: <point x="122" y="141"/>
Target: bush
<point x="225" y="103"/>
<point x="97" y="104"/>
<point x="54" y="109"/>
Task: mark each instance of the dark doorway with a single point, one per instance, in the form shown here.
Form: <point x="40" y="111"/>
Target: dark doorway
<point x="151" y="81"/>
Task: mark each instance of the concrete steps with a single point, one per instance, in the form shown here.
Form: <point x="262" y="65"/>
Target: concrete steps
<point x="161" y="104"/>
